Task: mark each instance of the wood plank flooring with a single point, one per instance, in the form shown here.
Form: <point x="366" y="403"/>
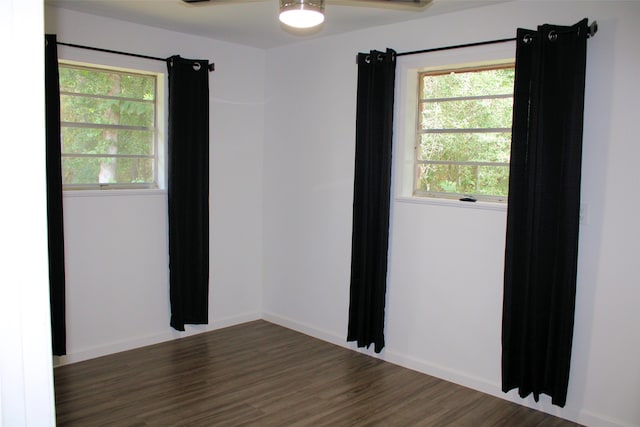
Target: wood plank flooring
<point x="261" y="374"/>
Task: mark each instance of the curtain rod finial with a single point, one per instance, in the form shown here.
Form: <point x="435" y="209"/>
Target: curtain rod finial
<point x="593" y="29"/>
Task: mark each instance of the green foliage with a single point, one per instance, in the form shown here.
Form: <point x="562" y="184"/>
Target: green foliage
<point x="468" y="159"/>
<point x="92" y="102"/>
<point x="482" y="113"/>
<point x="93" y="81"/>
<point x="467" y="83"/>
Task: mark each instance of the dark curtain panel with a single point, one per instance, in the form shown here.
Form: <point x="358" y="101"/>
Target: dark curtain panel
<point x="372" y="188"/>
<point x="54" y="197"/>
<point x="188" y="191"/>
<point x="543" y="213"/>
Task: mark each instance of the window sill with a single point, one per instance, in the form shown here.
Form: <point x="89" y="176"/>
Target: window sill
<point x="487" y="206"/>
<point x="117" y="193"/>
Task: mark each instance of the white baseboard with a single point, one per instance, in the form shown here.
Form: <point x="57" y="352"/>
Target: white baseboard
<point x="168" y="335"/>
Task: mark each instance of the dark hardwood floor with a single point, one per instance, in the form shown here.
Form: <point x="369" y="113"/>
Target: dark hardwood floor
<point x="259" y="373"/>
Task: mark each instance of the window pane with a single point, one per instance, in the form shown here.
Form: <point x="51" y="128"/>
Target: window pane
<point x="465" y="147"/>
<point x="80" y="170"/>
<point x="474" y="83"/>
<point x="135" y="171"/>
<point x="136" y="142"/>
<point x="81" y="109"/>
<point x="107" y="141"/>
<point x="105" y="82"/>
<point x="447" y="178"/>
<point x="464" y="179"/>
<point x="80" y="140"/>
<point x="493" y="180"/>
<point x="94" y="170"/>
<point x="480" y="113"/>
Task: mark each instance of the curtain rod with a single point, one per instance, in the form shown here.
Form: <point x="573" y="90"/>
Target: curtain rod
<point x="137" y="55"/>
<point x="457" y="46"/>
<point x="593" y="29"/>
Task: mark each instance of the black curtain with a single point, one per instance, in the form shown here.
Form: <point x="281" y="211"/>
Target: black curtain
<point x="371" y="198"/>
<point x="188" y="191"/>
<point x="55" y="226"/>
<point x="543" y="212"/>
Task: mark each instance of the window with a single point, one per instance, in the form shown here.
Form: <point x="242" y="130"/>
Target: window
<point x="108" y="127"/>
<point x="463" y="133"/>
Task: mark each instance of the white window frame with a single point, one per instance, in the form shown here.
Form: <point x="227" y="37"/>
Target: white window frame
<point x="159" y="132"/>
<point x="406" y="112"/>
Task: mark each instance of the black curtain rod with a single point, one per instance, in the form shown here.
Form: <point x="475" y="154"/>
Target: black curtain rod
<point x="137" y="55"/>
<point x="457" y="46"/>
<point x="593" y="29"/>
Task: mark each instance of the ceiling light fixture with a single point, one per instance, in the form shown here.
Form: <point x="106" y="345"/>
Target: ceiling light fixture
<point x="302" y="13"/>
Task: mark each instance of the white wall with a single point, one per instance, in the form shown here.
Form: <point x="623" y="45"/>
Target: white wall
<point x="445" y="280"/>
<point x="26" y="380"/>
<point x="116" y="243"/>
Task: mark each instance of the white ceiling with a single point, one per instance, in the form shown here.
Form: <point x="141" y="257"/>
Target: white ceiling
<point x="255" y="22"/>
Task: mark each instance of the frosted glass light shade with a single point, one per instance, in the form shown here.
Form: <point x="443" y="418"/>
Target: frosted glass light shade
<point x="302" y="13"/>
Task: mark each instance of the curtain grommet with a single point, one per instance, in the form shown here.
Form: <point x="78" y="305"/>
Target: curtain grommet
<point x="552" y="36"/>
<point x="527" y="39"/>
<point x="196" y="66"/>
